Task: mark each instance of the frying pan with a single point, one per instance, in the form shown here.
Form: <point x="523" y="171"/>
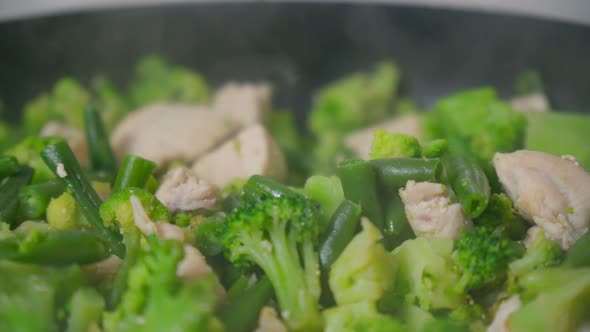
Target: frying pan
<point x="300" y="46"/>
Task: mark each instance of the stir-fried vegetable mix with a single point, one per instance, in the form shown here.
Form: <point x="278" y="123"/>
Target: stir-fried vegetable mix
<point x="469" y="216"/>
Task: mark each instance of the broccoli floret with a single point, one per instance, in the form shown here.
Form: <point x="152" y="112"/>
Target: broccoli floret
<point x="158" y="81"/>
<point x="112" y="105"/>
<point x="360" y="317"/>
<point x="64" y="213"/>
<point x="33" y="295"/>
<point x="559" y="133"/>
<point x="364" y="270"/>
<point x="280" y="235"/>
<point x="477" y="124"/>
<point x="541" y="253"/>
<point x="28" y="152"/>
<point x="118" y="208"/>
<point x="556" y="300"/>
<point x="326" y="151"/>
<point x="483" y="257"/>
<point x="355" y="101"/>
<point x="500" y="213"/>
<point x="435" y="148"/>
<point x="65" y="103"/>
<point x="388" y="145"/>
<point x="426" y="275"/>
<point x="157" y="300"/>
<point x="328" y="192"/>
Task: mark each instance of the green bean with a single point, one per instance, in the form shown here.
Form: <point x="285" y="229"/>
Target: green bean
<point x="258" y="186"/>
<point x="55" y="248"/>
<point x="579" y="254"/>
<point x="208" y="237"/>
<point x="100" y="152"/>
<point x="359" y="183"/>
<point x="34" y="199"/>
<point x="8" y="166"/>
<point x="469" y="183"/>
<point x="9" y="190"/>
<point x="241" y="314"/>
<point x="134" y="172"/>
<point x="342" y="227"/>
<point x="60" y="159"/>
<point x="397" y="229"/>
<point x="396" y="172"/>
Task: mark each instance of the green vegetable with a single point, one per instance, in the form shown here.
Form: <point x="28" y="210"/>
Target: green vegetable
<point x="64" y="213"/>
<point x="435" y="148"/>
<point x="359" y="183"/>
<point x="396" y="172"/>
<point x="284" y="130"/>
<point x="157" y="81"/>
<point x="34" y="199"/>
<point x="328" y="192"/>
<point x="9" y="189"/>
<point x="208" y="237"/>
<point x="28" y="152"/>
<point x="541" y="253"/>
<point x="133" y="172"/>
<point x="279" y="235"/>
<point x="355" y="101"/>
<point x="258" y="186"/>
<point x="102" y="157"/>
<point x="157" y="300"/>
<point x="475" y="123"/>
<point x="426" y="276"/>
<point x="58" y="154"/>
<point x="559" y="133"/>
<point x="8" y="166"/>
<point x="560" y="304"/>
<point x="112" y="104"/>
<point x="364" y="270"/>
<point x="388" y="145"/>
<point x="469" y="183"/>
<point x="241" y="313"/>
<point x="397" y="228"/>
<point x="579" y="254"/>
<point x="65" y="103"/>
<point x="360" y="316"/>
<point x="483" y="257"/>
<point x="86" y="310"/>
<point x="32" y="295"/>
<point x="500" y="213"/>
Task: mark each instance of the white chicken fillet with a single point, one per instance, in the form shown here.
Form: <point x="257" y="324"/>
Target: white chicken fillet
<point x="551" y="191"/>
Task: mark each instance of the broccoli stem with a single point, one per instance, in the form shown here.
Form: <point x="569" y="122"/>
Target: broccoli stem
<point x="359" y="183"/>
<point x="9" y="194"/>
<point x="34" y="199"/>
<point x="60" y="155"/>
<point x="241" y="313"/>
<point x="8" y="166"/>
<point x="100" y="152"/>
<point x="134" y="172"/>
<point x="469" y="183"/>
<point x="394" y="173"/>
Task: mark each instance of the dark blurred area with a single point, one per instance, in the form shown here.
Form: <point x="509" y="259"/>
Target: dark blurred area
<point x="299" y="47"/>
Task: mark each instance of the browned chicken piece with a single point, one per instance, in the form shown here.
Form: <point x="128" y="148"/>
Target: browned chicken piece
<point x="181" y="191"/>
<point x="245" y="104"/>
<point x="430" y="212"/>
<point x="552" y="192"/>
<point x="501" y="322"/>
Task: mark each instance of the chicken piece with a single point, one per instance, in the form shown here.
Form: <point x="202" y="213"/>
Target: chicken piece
<point x="101" y="270"/>
<point x="501" y="320"/>
<point x="74" y="136"/>
<point x="360" y="141"/>
<point x="430" y="212"/>
<point x="551" y="191"/>
<point x="252" y="152"/>
<point x="243" y="104"/>
<point x="193" y="266"/>
<point x="170" y="132"/>
<point x="536" y="102"/>
<point x="181" y="191"/>
<point x="268" y="321"/>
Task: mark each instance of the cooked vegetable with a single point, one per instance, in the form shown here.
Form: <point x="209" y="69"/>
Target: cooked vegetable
<point x="28" y="152"/>
<point x="469" y="183"/>
<point x="34" y="199"/>
<point x="396" y="172"/>
<point x="9" y="190"/>
<point x="241" y="313"/>
<point x="133" y="172"/>
<point x="101" y="154"/>
<point x="387" y="145"/>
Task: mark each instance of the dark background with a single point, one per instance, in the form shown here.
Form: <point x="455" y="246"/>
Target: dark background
<point x="299" y="47"/>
